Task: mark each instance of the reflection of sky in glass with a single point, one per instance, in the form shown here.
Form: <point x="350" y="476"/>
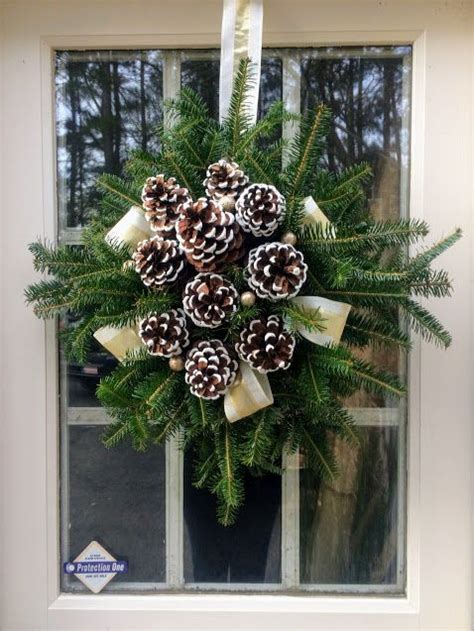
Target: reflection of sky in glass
<point x="107" y="102"/>
<point x="365" y="90"/>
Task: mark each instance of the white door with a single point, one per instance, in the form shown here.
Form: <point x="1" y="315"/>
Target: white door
<point x="386" y="546"/>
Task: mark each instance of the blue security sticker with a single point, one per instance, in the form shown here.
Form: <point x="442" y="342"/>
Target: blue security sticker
<point x="102" y="567"/>
<point x="95" y="567"/>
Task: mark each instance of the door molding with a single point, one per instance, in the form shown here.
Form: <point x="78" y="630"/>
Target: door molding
<point x="440" y="447"/>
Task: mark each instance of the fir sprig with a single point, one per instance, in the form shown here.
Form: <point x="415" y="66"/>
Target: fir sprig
<point x="355" y="259"/>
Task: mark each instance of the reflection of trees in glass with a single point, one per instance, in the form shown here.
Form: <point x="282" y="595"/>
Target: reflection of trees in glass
<point x="271" y="86"/>
<point x="202" y="75"/>
<point x="349" y="525"/>
<point x="365" y="94"/>
<point x="106" y="104"/>
<point x="365" y="90"/>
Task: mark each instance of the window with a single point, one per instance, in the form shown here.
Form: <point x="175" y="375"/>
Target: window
<point x="297" y="533"/>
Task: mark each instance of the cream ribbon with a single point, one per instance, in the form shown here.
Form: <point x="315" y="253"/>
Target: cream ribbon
<point x="119" y="342"/>
<point x="241" y="37"/>
<point x="313" y="214"/>
<point x="333" y="313"/>
<point x="252" y="393"/>
<point x="131" y="229"/>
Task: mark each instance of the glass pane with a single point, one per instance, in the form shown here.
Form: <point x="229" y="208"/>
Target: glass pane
<point x="349" y="527"/>
<point x="271" y="83"/>
<point x="368" y="92"/>
<point x="83" y="379"/>
<point x="117" y="497"/>
<point x="202" y="75"/>
<point x="107" y="102"/>
<point x="247" y="552"/>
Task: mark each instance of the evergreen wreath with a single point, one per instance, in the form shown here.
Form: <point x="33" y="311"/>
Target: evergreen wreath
<point x="229" y="248"/>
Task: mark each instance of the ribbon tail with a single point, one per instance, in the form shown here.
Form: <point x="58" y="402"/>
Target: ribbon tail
<point x="130" y="230"/>
<point x="313" y="214"/>
<point x="333" y="316"/>
<point x="251" y="394"/>
<point x="241" y="38"/>
<point x="119" y="342"/>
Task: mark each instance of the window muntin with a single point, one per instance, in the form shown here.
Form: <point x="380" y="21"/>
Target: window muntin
<point x="359" y="519"/>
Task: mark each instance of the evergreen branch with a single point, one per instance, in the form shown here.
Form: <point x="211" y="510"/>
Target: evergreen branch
<point x="325" y="466"/>
<point x="115" y="434"/>
<point x="298" y="316"/>
<point x="117" y="189"/>
<point x="368" y="235"/>
<point x="307" y="141"/>
<point x="170" y="156"/>
<point x="424" y="258"/>
<point x="426" y="324"/>
<point x="379" y="332"/>
<point x="237" y="120"/>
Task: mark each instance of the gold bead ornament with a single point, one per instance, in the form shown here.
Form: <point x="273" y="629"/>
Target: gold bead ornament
<point x="289" y="238"/>
<point x="176" y="363"/>
<point x="227" y="203"/>
<point x="248" y="299"/>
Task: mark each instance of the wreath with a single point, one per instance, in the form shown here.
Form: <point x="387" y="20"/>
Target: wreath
<point x="238" y="288"/>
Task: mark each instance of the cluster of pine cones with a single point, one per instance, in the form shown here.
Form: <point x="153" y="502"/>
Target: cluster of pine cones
<point x="206" y="236"/>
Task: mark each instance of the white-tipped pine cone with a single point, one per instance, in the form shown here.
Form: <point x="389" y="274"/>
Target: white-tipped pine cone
<point x="161" y="199"/>
<point x="165" y="334"/>
<point x="210" y="368"/>
<point x="224" y="179"/>
<point x="158" y="261"/>
<point x="266" y="345"/>
<point x="209" y="236"/>
<point x="209" y="299"/>
<point x="276" y="271"/>
<point x="260" y="209"/>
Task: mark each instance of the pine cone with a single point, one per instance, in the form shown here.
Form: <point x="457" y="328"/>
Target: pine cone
<point x="210" y="368"/>
<point x="165" y="334"/>
<point x="266" y="345"/>
<point x="260" y="209"/>
<point x="209" y="236"/>
<point x="161" y="199"/>
<point x="224" y="179"/>
<point x="276" y="270"/>
<point x="209" y="299"/>
<point x="158" y="261"/>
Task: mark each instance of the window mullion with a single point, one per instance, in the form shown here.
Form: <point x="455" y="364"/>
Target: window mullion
<point x="174" y="455"/>
<point x="290" y="522"/>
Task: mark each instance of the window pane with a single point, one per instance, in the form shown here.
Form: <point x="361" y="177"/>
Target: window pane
<point x="349" y="525"/>
<point x="247" y="552"/>
<point x="202" y="75"/>
<point x="250" y="551"/>
<point x="83" y="379"/>
<point x="117" y="497"/>
<point x="107" y="102"/>
<point x="350" y="528"/>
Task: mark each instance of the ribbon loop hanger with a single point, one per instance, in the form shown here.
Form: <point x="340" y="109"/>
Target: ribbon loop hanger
<point x="241" y="38"/>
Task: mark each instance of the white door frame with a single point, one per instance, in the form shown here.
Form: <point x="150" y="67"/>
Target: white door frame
<point x="440" y="446"/>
